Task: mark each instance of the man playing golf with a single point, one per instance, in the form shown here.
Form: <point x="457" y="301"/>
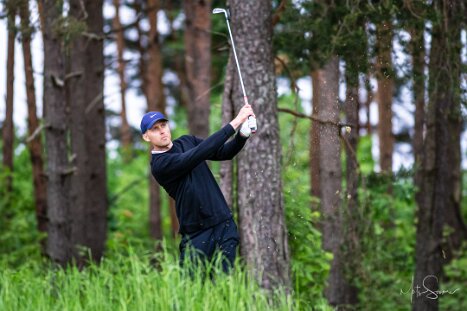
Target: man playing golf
<point x="180" y="167"/>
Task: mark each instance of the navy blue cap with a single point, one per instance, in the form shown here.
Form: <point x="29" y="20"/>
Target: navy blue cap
<point x="149" y="119"/>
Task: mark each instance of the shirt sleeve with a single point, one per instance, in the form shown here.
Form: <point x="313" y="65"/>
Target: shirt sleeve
<point x="168" y="166"/>
<point x="228" y="150"/>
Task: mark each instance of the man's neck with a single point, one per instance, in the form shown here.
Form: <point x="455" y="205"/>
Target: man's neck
<point x="158" y="149"/>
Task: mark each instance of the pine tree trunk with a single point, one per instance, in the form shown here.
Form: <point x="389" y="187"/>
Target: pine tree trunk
<point x="437" y="208"/>
<point x="226" y="170"/>
<point x="89" y="181"/>
<point x="125" y="133"/>
<point x="339" y="292"/>
<point x="198" y="64"/>
<point x="314" y="140"/>
<point x="35" y="142"/>
<point x="263" y="231"/>
<point x="350" y="221"/>
<point x="156" y="101"/>
<point x="8" y="130"/>
<point x="417" y="45"/>
<point x="59" y="169"/>
<point x="385" y="77"/>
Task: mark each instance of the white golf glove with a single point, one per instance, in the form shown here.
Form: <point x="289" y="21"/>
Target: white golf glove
<point x="245" y="130"/>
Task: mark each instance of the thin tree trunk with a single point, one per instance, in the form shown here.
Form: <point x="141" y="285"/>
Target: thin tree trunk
<point x="35" y="143"/>
<point x="198" y="64"/>
<point x="350" y="221"/>
<point x="156" y="101"/>
<point x="8" y="130"/>
<point x="89" y="181"/>
<point x="338" y="292"/>
<point x="437" y="206"/>
<point x="418" y="64"/>
<point x="226" y="170"/>
<point x="385" y="77"/>
<point x="125" y="133"/>
<point x="369" y="99"/>
<point x="56" y="134"/>
<point x="314" y="140"/>
<point x="263" y="231"/>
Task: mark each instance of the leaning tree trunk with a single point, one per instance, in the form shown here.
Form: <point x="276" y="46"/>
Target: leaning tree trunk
<point x="85" y="86"/>
<point x="437" y="207"/>
<point x="198" y="64"/>
<point x="263" y="230"/>
<point x="385" y="77"/>
<point x="56" y="133"/>
<point x="338" y="292"/>
<point x="34" y="130"/>
<point x="8" y="130"/>
<point x="154" y="91"/>
<point x="125" y="133"/>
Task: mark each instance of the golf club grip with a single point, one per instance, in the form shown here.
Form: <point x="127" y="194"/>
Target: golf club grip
<point x="252" y="124"/>
<point x="251" y="120"/>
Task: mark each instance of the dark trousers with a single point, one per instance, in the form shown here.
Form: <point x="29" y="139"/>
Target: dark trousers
<point x="222" y="237"/>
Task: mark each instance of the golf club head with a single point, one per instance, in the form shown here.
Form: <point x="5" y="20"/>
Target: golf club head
<point x="219" y="10"/>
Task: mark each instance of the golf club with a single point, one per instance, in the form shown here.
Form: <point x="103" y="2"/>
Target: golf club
<point x="251" y="119"/>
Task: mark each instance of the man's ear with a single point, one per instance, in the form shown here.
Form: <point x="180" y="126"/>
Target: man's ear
<point x="145" y="137"/>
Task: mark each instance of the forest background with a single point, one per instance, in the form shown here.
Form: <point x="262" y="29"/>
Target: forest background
<point x="351" y="194"/>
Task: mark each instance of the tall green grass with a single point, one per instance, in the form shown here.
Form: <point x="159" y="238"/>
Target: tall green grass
<point x="132" y="281"/>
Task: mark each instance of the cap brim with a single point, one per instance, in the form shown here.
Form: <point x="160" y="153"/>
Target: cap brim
<point x="154" y="122"/>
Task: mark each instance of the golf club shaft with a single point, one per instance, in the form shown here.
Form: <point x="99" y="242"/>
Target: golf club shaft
<point x="251" y="119"/>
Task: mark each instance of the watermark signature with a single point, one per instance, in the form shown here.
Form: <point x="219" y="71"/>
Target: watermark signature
<point x="426" y="290"/>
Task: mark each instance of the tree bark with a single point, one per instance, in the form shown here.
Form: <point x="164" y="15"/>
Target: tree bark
<point x="263" y="230"/>
<point x="226" y="170"/>
<point x="125" y="133"/>
<point x="314" y="140"/>
<point x="8" y="129"/>
<point x="56" y="133"/>
<point x="339" y="292"/>
<point x="198" y="64"/>
<point x="89" y="181"/>
<point x="156" y="101"/>
<point x="350" y="225"/>
<point x="35" y="142"/>
<point x="437" y="204"/>
<point x="385" y="78"/>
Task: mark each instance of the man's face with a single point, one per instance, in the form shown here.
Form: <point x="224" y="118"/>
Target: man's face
<point x="159" y="135"/>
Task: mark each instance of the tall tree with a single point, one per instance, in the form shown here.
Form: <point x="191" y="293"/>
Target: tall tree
<point x="125" y="132"/>
<point x="226" y="170"/>
<point x="198" y="64"/>
<point x="154" y="91"/>
<point x="35" y="139"/>
<point x="438" y="207"/>
<point x="56" y="134"/>
<point x="385" y="78"/>
<point x="314" y="139"/>
<point x="85" y="86"/>
<point x="263" y="230"/>
<point x="339" y="291"/>
<point x="8" y="130"/>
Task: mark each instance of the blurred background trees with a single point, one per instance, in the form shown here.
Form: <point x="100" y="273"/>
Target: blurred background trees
<point x="354" y="185"/>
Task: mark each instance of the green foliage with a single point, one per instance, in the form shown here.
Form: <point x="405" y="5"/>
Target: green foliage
<point x="310" y="264"/>
<point x="19" y="237"/>
<point x="387" y="230"/>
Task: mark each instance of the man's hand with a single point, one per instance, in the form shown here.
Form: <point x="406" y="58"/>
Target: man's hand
<point x="245" y="130"/>
<point x="242" y="116"/>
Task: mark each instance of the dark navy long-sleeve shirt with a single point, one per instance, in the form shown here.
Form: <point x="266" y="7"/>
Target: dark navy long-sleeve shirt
<point x="182" y="171"/>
